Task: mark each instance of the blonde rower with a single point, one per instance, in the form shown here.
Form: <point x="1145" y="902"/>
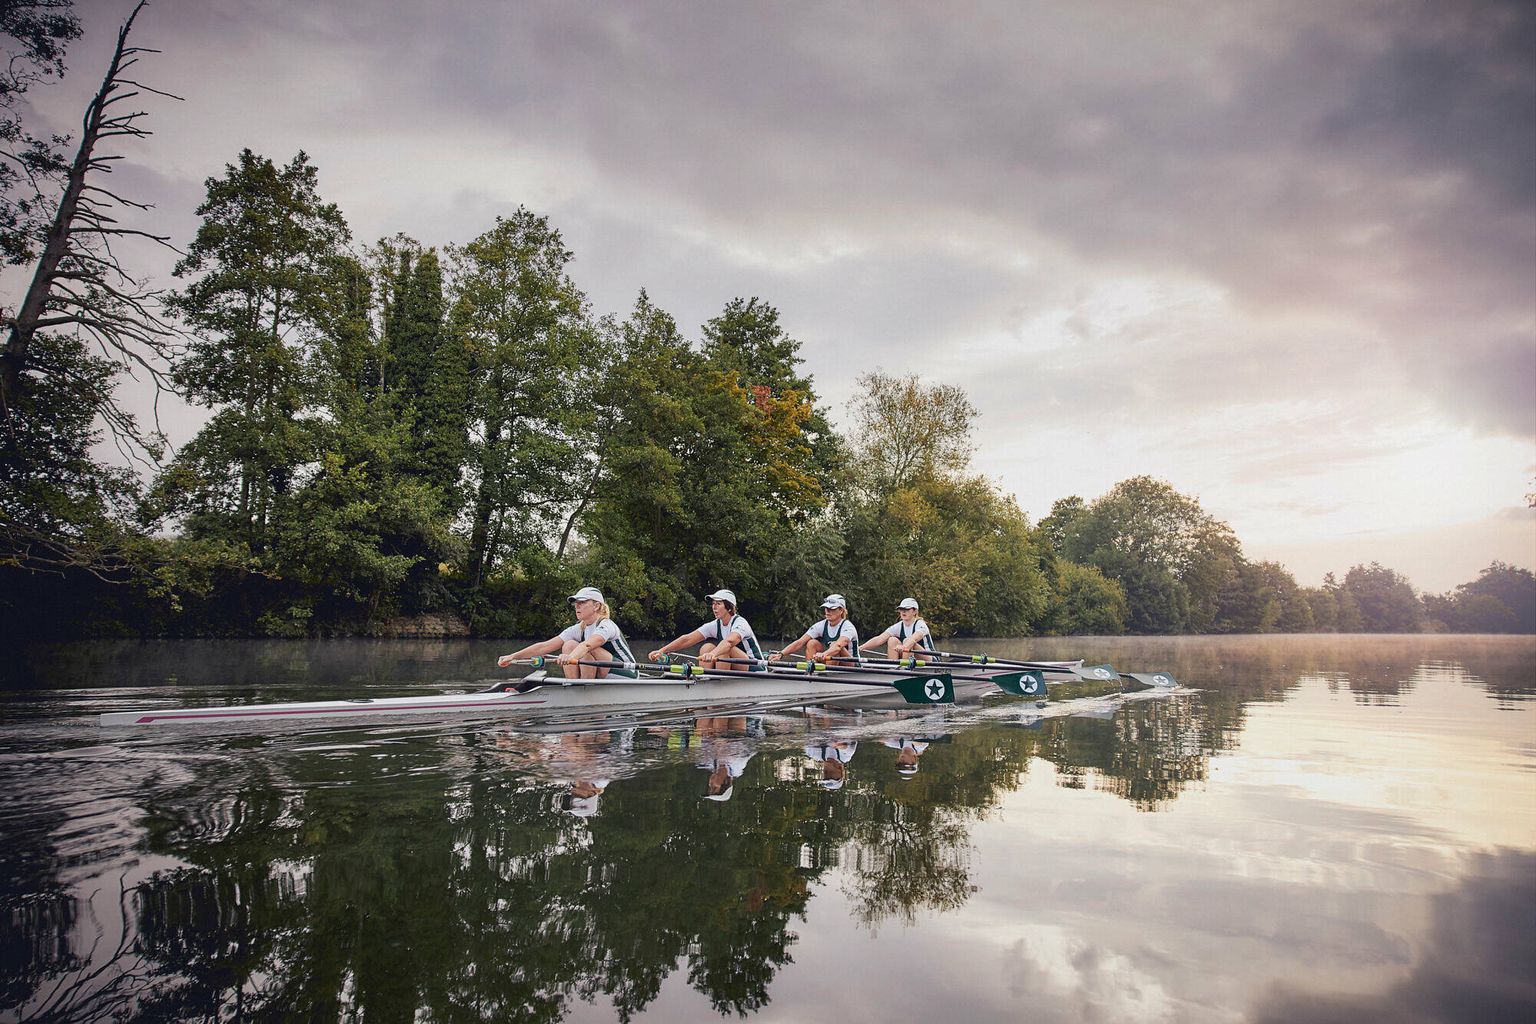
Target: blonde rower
<point x="594" y="637"/>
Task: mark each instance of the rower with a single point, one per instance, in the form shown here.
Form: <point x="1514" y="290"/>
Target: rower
<point x="834" y="637"/>
<point x="726" y="636"/>
<point x="593" y="637"/>
<point x="905" y="636"/>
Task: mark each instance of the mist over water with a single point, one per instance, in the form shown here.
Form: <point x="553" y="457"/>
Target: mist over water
<point x="1313" y="828"/>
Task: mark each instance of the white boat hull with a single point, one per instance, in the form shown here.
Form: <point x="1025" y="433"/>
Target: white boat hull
<point x="547" y="694"/>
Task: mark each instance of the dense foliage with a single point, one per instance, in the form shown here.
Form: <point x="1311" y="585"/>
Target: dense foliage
<point x="415" y="440"/>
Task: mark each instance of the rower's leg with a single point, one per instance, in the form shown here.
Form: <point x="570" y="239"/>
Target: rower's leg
<point x="571" y="671"/>
<point x="812" y="648"/>
<point x="592" y="671"/>
<point x="707" y="656"/>
<point x="727" y="654"/>
<point x="893" y="648"/>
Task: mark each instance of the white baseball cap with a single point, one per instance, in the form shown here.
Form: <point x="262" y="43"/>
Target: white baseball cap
<point x="723" y="595"/>
<point x="586" y="594"/>
<point x="908" y="602"/>
<point x="834" y="601"/>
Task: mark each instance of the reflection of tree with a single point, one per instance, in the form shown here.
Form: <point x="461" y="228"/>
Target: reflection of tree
<point x="57" y="984"/>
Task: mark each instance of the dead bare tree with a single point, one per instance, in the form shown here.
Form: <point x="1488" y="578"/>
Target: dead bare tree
<point x="79" y="284"/>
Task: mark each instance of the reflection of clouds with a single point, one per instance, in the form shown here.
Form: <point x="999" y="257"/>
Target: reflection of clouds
<point x="1048" y="963"/>
<point x="1476" y="964"/>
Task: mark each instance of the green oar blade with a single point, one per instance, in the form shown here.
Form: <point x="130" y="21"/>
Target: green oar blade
<point x="1160" y="679"/>
<point x="939" y="689"/>
<point x="1027" y="683"/>
<point x="1097" y="673"/>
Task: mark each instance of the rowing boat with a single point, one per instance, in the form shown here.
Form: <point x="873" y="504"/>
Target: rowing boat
<point x="539" y="692"/>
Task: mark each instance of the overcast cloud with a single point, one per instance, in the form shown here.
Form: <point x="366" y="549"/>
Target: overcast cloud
<point x="1280" y="254"/>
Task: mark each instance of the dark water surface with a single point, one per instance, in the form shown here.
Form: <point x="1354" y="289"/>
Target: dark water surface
<point x="1320" y="829"/>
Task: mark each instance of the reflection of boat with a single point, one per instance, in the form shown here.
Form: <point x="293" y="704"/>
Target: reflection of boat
<point x="538" y="692"/>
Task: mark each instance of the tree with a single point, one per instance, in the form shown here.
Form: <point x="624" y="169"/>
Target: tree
<point x="263" y="265"/>
<point x="906" y="429"/>
<point x="40" y="31"/>
<point x="1171" y="556"/>
<point x="78" y="282"/>
<point x="1510" y="585"/>
<point x="1385" y="599"/>
<point x="60" y="509"/>
<point x="526" y="328"/>
<point x="1083" y="601"/>
<point x="1325" y="609"/>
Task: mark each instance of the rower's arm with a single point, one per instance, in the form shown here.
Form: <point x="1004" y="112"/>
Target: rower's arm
<point x="875" y="641"/>
<point x="549" y="646"/>
<point x="791" y="649"/>
<point x="691" y="640"/>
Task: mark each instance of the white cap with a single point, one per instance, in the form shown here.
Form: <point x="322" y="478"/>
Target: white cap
<point x="908" y="602"/>
<point x="587" y="594"/>
<point x="723" y="595"/>
<point x="834" y="601"/>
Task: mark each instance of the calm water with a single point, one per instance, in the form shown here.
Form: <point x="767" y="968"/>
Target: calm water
<point x="1323" y="829"/>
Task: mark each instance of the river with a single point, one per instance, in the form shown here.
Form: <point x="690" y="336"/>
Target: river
<point x="1322" y="828"/>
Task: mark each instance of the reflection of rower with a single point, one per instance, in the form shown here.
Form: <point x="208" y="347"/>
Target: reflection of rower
<point x="727" y="750"/>
<point x="833" y="758"/>
<point x="723" y="773"/>
<point x="908" y="751"/>
<point x="582" y="799"/>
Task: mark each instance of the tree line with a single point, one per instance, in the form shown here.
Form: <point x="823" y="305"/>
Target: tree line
<point x="405" y="438"/>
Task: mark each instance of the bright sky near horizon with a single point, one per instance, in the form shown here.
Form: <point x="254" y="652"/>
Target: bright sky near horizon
<point x="1280" y="254"/>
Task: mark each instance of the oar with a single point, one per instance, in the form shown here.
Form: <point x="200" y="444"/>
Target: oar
<point x="914" y="688"/>
<point x="1027" y="682"/>
<point x="925" y="688"/>
<point x="1101" y="673"/>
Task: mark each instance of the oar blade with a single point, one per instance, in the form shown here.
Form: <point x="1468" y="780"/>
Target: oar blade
<point x="1162" y="680"/>
<point x="1026" y="683"/>
<point x="934" y="689"/>
<point x="1097" y="673"/>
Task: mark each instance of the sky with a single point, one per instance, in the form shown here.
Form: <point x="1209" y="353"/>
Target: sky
<point x="1279" y="254"/>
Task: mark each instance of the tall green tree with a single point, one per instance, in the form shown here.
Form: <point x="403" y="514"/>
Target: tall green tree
<point x="907" y="429"/>
<point x="527" y="331"/>
<point x="260" y="273"/>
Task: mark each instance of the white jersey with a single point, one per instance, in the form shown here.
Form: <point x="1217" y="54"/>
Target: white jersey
<point x="610" y="635"/>
<point x="828" y="634"/>
<point x="714" y="633"/>
<point x="902" y="632"/>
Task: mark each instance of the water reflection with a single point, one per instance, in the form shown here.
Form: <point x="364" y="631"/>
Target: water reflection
<point x="467" y="871"/>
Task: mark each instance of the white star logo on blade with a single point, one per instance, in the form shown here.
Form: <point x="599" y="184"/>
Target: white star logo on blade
<point x="935" y="689"/>
<point x="1162" y="680"/>
<point x="1101" y="673"/>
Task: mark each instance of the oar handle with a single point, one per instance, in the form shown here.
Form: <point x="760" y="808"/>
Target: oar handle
<point x="541" y="660"/>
